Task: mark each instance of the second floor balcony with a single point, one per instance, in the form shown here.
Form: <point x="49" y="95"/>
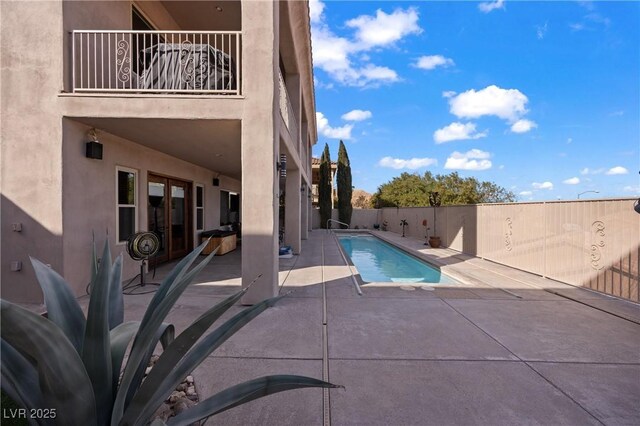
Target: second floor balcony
<point x="286" y="109"/>
<point x="169" y="62"/>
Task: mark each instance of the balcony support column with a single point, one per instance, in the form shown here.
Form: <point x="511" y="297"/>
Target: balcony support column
<point x="260" y="150"/>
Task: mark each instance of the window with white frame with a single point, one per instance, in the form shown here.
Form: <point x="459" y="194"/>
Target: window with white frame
<point x="199" y="207"/>
<point x="126" y="202"/>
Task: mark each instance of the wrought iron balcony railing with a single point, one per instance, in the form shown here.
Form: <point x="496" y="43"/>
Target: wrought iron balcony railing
<point x="179" y="62"/>
<point x="286" y="110"/>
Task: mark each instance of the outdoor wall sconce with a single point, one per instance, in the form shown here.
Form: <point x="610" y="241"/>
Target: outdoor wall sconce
<point x="93" y="148"/>
<point x="303" y="187"/>
<point x="282" y="166"/>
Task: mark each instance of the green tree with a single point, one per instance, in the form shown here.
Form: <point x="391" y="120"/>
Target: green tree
<point x="406" y="190"/>
<point x="412" y="190"/>
<point x="324" y="187"/>
<point x="345" y="190"/>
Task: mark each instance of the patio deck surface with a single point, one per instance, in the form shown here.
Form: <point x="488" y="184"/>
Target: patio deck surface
<point x="506" y="348"/>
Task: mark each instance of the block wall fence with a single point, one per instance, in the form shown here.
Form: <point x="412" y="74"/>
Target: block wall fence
<point x="592" y="243"/>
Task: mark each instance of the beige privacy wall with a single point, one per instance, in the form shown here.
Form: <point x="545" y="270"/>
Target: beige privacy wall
<point x="593" y="244"/>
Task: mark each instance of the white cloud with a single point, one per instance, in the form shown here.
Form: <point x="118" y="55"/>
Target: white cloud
<point x="591" y="21"/>
<point x="577" y="27"/>
<point x="343" y="132"/>
<point x="315" y="10"/>
<point x="618" y="170"/>
<point x="569" y="140"/>
<point x="526" y="193"/>
<point x="448" y="94"/>
<point x="470" y="160"/>
<point x="616" y="113"/>
<point x="433" y="61"/>
<point x="572" y="181"/>
<point x="344" y="59"/>
<point x="541" y="30"/>
<point x="457" y="131"/>
<point x="384" y="29"/>
<point x="331" y="53"/>
<point x="633" y="189"/>
<point x="544" y="185"/>
<point x="489" y="6"/>
<point x="356" y="115"/>
<point x="508" y="104"/>
<point x="412" y="164"/>
<point x="588" y="171"/>
<point x="523" y="126"/>
<point x="376" y="73"/>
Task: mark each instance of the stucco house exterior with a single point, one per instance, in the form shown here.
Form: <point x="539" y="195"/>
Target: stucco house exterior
<point x="191" y="106"/>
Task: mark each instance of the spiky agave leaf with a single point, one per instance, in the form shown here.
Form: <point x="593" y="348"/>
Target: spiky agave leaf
<point x="243" y="393"/>
<point x="142" y="403"/>
<point x="176" y="273"/>
<point x="62" y="307"/>
<point x="161" y="304"/>
<point x="165" y="335"/>
<point x="116" y="302"/>
<point x="64" y="382"/>
<point x="96" y="350"/>
<point x="196" y="355"/>
<point x="120" y="337"/>
<point x="19" y="377"/>
<point x="94" y="261"/>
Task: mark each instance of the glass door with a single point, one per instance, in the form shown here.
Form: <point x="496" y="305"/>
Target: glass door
<point x="157" y="215"/>
<point x="180" y="215"/>
<point x="169" y="216"/>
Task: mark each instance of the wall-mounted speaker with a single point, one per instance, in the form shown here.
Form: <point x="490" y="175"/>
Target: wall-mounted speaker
<point x="94" y="150"/>
<point x="216" y="182"/>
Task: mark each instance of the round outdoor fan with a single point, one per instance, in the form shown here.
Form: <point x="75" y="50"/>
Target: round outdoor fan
<point x="142" y="246"/>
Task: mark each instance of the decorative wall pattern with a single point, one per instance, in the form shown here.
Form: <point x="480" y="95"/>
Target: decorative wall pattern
<point x="597" y="238"/>
<point x="508" y="225"/>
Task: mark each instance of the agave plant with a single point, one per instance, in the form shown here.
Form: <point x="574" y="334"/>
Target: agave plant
<point x="71" y="367"/>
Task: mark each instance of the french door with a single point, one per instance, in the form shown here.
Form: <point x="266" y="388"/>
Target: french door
<point x="170" y="216"/>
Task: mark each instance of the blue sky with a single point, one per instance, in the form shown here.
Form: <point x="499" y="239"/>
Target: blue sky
<point x="542" y="98"/>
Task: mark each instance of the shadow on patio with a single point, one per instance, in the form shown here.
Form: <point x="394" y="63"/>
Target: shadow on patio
<point x="506" y="347"/>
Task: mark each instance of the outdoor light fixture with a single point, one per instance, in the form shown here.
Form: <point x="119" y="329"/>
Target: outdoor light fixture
<point x="282" y="166"/>
<point x="216" y="182"/>
<point x="93" y="148"/>
<point x="302" y="188"/>
<point x="586" y="192"/>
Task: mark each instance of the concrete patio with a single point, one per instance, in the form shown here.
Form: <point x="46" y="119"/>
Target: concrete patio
<point x="505" y="348"/>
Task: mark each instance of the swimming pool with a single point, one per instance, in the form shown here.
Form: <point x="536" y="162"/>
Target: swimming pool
<point x="378" y="261"/>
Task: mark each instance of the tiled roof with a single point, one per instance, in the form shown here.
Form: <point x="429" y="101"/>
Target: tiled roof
<point x="315" y="161"/>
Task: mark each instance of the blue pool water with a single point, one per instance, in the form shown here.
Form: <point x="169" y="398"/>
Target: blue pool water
<point x="378" y="261"/>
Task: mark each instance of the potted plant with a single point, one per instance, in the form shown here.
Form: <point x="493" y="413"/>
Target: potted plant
<point x="435" y="201"/>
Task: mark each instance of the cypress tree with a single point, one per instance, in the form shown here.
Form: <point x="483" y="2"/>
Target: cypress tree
<point x="345" y="190"/>
<point x="325" y="187"/>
